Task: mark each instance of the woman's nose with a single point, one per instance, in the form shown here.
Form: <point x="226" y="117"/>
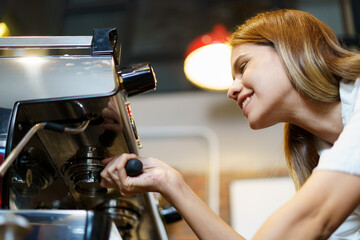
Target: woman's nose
<point x="235" y="89"/>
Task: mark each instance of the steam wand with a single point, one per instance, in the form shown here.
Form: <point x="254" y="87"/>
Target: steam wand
<point x="43" y="125"/>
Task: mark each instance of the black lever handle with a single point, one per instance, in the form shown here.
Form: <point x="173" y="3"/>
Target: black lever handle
<point x="133" y="167"/>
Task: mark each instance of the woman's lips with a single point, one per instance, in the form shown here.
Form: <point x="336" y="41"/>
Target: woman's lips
<point x="244" y="101"/>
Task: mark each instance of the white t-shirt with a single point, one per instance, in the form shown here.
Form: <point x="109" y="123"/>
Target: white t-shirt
<point x="344" y="155"/>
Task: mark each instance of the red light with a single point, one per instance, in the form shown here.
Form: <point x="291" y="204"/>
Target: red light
<point x="218" y="35"/>
<point x="207" y="60"/>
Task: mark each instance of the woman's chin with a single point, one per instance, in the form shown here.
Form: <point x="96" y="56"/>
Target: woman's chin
<point x="256" y="124"/>
<point x="253" y="125"/>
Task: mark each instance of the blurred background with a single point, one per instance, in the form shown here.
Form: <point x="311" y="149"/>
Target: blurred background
<point x="199" y="132"/>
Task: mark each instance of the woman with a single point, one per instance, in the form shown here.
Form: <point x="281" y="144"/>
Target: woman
<point x="287" y="67"/>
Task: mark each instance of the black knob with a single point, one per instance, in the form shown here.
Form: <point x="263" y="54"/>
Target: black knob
<point x="133" y="167"/>
<point x="170" y="215"/>
<point x="138" y="78"/>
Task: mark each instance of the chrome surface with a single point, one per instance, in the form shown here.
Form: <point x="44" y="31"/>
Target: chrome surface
<point x="64" y="224"/>
<point x="46" y="42"/>
<point x="126" y="215"/>
<point x="33" y="130"/>
<point x="77" y="130"/>
<point x="29" y="78"/>
<point x="16" y="151"/>
<point x="13" y="227"/>
<point x="83" y="170"/>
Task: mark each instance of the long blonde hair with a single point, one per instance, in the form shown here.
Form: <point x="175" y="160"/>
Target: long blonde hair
<point x="314" y="62"/>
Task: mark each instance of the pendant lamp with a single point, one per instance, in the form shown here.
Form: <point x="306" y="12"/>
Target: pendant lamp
<point x="4" y="30"/>
<point x="207" y="60"/>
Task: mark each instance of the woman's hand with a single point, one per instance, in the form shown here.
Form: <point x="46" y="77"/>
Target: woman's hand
<point x="156" y="176"/>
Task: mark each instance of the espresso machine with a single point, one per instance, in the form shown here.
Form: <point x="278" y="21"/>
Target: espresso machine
<point x="62" y="112"/>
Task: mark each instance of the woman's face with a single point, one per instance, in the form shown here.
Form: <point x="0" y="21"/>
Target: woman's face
<point x="261" y="86"/>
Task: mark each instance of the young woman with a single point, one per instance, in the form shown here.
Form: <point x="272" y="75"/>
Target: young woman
<point x="287" y="67"/>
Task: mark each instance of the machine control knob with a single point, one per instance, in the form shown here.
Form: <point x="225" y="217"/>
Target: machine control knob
<point x="133" y="167"/>
<point x="138" y="78"/>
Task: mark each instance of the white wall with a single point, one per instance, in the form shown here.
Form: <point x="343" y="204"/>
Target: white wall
<point x="268" y="193"/>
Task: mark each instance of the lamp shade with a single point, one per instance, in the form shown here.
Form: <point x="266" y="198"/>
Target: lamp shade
<point x="207" y="60"/>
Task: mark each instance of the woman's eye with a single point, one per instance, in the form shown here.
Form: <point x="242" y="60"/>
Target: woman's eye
<point x="242" y="67"/>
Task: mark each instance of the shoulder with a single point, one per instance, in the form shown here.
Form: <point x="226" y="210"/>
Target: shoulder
<point x="344" y="155"/>
<point x="350" y="98"/>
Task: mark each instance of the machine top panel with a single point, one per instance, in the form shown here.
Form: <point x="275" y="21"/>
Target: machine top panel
<point x="46" y="42"/>
<point x="36" y="78"/>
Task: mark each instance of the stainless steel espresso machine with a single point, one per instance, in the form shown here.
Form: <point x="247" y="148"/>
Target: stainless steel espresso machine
<point x="53" y="111"/>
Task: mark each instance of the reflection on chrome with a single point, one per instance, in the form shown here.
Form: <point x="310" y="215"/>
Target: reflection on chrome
<point x="32" y="61"/>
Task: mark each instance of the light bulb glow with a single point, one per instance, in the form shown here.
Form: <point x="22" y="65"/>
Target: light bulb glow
<point x="31" y="61"/>
<point x="33" y="65"/>
<point x="4" y="30"/>
<point x="209" y="67"/>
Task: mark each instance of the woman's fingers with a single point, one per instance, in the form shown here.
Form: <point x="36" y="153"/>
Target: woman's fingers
<point x="155" y="177"/>
<point x="107" y="183"/>
<point x="107" y="160"/>
<point x="114" y="172"/>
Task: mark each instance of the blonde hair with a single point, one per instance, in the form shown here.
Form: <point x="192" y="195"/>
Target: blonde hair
<point x="314" y="62"/>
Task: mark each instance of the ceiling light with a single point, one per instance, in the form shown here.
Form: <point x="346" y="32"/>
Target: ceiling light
<point x="4" y="30"/>
<point x="207" y="62"/>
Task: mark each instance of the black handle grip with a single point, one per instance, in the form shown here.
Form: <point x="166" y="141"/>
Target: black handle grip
<point x="133" y="167"/>
<point x="170" y="214"/>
